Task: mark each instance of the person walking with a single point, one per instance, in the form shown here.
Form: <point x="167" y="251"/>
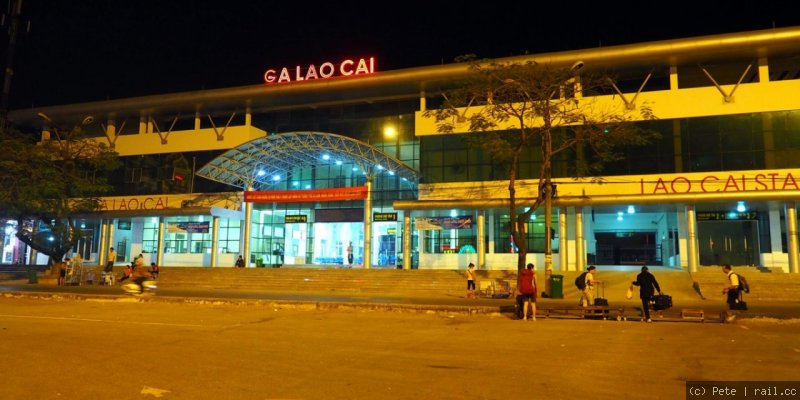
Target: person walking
<point x="112" y="257"/>
<point x="471" y="281"/>
<point x="646" y="283"/>
<point x="350" y="253"/>
<point x="732" y="290"/>
<point x="527" y="288"/>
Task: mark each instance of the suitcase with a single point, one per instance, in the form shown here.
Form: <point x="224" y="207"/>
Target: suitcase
<point x="740" y="303"/>
<point x="601" y="300"/>
<point x="519" y="307"/>
<point x="662" y="302"/>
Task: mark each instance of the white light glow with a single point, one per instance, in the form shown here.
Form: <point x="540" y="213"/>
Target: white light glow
<point x="631" y="209"/>
<point x="338" y="162"/>
<point x="326" y="157"/>
<point x="740" y="207"/>
<point x="276" y="177"/>
<point x="261" y="172"/>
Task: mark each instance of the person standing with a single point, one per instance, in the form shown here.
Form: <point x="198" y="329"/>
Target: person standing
<point x="350" y="253"/>
<point x="587" y="293"/>
<point x="112" y="257"/>
<point x="527" y="288"/>
<point x="646" y="283"/>
<point x="240" y="262"/>
<point x="62" y="271"/>
<point x="471" y="281"/>
<point x="732" y="290"/>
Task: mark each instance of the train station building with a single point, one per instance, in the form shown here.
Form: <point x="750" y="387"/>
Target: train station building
<point x="313" y="160"/>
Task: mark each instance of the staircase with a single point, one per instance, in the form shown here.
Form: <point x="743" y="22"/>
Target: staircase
<point x="318" y="280"/>
<point x="765" y="286"/>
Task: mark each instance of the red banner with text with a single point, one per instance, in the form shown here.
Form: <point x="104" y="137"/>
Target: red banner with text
<point x="297" y="196"/>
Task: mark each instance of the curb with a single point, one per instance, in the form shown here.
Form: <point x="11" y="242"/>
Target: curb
<point x="289" y="304"/>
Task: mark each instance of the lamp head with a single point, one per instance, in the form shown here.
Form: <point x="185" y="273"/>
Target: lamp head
<point x="577" y="66"/>
<point x="88" y="120"/>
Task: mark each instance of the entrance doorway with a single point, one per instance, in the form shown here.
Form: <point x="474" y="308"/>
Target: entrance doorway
<point x="332" y="238"/>
<point x="627" y="248"/>
<point x="728" y="242"/>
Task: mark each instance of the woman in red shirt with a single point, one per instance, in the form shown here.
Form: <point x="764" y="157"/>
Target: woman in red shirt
<point x="527" y="287"/>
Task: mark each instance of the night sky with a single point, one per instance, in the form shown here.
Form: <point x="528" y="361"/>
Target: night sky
<point x="94" y="50"/>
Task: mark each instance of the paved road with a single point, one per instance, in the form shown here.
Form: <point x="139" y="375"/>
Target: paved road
<point x="713" y="306"/>
<point x="121" y="348"/>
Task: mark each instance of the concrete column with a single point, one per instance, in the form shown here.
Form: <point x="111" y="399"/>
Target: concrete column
<point x="763" y="70"/>
<point x="111" y="131"/>
<point x="160" y="252"/>
<point x="407" y="239"/>
<point x="102" y="253"/>
<point x="368" y="225"/>
<point x="248" y="211"/>
<point x="491" y="233"/>
<point x="481" y="240"/>
<point x="673" y="77"/>
<point x="563" y="253"/>
<point x="775" y="229"/>
<point x="792" y="241"/>
<point x="214" y="240"/>
<point x="580" y="252"/>
<point x="691" y="225"/>
<point x="111" y="237"/>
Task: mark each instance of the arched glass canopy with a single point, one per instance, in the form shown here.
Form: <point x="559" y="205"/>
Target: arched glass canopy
<point x="258" y="162"/>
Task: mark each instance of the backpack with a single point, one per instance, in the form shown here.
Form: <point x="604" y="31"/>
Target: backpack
<point x="743" y="285"/>
<point x="580" y="281"/>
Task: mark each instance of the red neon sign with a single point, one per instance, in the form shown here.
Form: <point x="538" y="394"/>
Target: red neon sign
<point x="362" y="66"/>
<point x="296" y="196"/>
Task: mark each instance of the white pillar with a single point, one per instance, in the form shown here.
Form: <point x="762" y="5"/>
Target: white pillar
<point x="368" y="225"/>
<point x="102" y="253"/>
<point x="580" y="252"/>
<point x="248" y="211"/>
<point x="214" y="240"/>
<point x="691" y="225"/>
<point x="791" y="231"/>
<point x="481" y="240"/>
<point x="563" y="253"/>
<point x="160" y="251"/>
<point x="407" y="239"/>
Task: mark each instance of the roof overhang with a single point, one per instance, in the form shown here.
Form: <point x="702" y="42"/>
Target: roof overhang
<point x="409" y="83"/>
<point x="255" y="164"/>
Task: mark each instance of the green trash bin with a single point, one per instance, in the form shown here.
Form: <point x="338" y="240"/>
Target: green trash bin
<point x="557" y="286"/>
<point x="33" y="276"/>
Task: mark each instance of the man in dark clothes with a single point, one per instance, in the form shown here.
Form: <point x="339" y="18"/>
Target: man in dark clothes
<point x="646" y="282"/>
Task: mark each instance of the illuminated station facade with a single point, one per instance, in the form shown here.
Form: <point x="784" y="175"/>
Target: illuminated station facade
<point x="320" y="158"/>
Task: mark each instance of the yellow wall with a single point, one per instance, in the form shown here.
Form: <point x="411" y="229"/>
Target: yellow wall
<point x="681" y="103"/>
<point x="666" y="186"/>
<point x="184" y="141"/>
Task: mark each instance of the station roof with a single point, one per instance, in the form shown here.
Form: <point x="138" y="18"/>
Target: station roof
<point x="407" y="84"/>
<point x="258" y="162"/>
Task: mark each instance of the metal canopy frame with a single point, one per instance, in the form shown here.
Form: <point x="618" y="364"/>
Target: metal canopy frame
<point x="254" y="164"/>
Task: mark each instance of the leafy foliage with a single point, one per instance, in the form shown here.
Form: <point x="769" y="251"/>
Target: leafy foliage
<point x="512" y="107"/>
<point x="52" y="181"/>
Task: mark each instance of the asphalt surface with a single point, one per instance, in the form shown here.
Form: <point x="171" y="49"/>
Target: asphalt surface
<point x="390" y="301"/>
